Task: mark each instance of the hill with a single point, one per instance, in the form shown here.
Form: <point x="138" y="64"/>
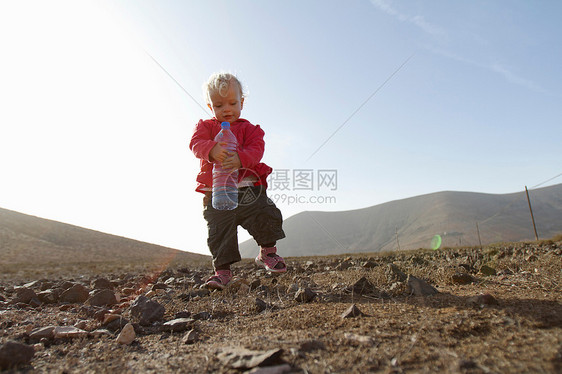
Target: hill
<point x="27" y="240"/>
<point x="412" y="223"/>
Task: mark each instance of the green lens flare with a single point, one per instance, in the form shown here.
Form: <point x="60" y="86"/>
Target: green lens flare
<point x="436" y="242"/>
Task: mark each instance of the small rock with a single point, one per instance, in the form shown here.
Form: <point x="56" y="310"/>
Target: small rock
<point x="369" y="264"/>
<point x="344" y="265"/>
<point x="352" y="311"/>
<point x="48" y="296"/>
<point x="312" y="345"/>
<point x="467" y="364"/>
<point x="363" y="287"/>
<point x="305" y="295"/>
<point x="255" y="284"/>
<point x="359" y="339"/>
<point x="420" y="287"/>
<point x="462" y="278"/>
<point x="101" y="332"/>
<point x="102" y="297"/>
<point x="259" y="305"/>
<point x="24" y="295"/>
<point x="178" y="324"/>
<point x="467" y="267"/>
<point x="115" y="324"/>
<point x="42" y="333"/>
<point x="65" y="285"/>
<point x="69" y="332"/>
<point x="191" y="337"/>
<point x="196" y="293"/>
<point x="159" y="286"/>
<point x="487" y="270"/>
<point x="102" y="284"/>
<point x="236" y="283"/>
<point x="13" y="354"/>
<point x="480" y="300"/>
<point x="183" y="314"/>
<point x="33" y="284"/>
<point x="531" y="258"/>
<point x="240" y="358"/>
<point x="277" y="369"/>
<point x="75" y="294"/>
<point x="292" y="288"/>
<point x="394" y="273"/>
<point x="127" y="335"/>
<point x="202" y="316"/>
<point x="147" y="311"/>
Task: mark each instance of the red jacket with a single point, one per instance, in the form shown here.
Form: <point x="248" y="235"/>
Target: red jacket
<point x="250" y="151"/>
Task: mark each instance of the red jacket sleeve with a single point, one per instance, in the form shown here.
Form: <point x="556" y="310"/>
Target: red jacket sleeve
<point x="202" y="140"/>
<point x="251" y="151"/>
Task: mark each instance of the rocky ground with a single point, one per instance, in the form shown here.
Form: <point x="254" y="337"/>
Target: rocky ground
<point x="465" y="310"/>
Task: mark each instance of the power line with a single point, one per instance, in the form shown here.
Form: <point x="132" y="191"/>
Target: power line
<point x="178" y="83"/>
<point x="361" y="106"/>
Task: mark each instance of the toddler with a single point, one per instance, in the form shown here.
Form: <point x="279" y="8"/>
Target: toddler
<point x="255" y="212"/>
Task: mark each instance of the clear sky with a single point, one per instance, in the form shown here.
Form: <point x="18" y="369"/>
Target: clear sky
<point x="393" y="98"/>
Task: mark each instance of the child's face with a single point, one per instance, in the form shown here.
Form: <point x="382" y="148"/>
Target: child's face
<point x="226" y="108"/>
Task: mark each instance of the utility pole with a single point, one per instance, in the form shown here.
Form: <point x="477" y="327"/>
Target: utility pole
<point x="531" y="210"/>
<point x="396" y="232"/>
<point x="478" y="232"/>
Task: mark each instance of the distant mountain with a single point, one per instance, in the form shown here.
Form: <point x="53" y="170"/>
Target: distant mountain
<point x="27" y="239"/>
<point x="412" y="223"/>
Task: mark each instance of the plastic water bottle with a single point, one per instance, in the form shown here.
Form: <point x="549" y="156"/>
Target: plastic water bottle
<point x="225" y="190"/>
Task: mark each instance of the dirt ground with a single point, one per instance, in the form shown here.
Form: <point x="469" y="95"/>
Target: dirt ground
<point x="515" y="327"/>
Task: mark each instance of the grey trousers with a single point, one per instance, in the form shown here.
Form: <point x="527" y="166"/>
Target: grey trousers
<point x="255" y="212"/>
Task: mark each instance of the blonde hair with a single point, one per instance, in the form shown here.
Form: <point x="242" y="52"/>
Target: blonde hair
<point x="220" y="82"/>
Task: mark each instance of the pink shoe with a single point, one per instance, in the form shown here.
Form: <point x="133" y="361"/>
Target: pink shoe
<point x="219" y="280"/>
<point x="269" y="259"/>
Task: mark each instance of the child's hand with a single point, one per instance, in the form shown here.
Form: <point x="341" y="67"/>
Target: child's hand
<point x="232" y="161"/>
<point x="218" y="152"/>
<point x="229" y="160"/>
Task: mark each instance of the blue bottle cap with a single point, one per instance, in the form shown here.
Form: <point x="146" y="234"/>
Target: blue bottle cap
<point x="225" y="125"/>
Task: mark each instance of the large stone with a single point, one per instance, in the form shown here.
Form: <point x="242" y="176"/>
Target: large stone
<point x="147" y="311"/>
<point x="75" y="294"/>
<point x="102" y="297"/>
<point x="13" y="354"/>
<point x="420" y="287"/>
